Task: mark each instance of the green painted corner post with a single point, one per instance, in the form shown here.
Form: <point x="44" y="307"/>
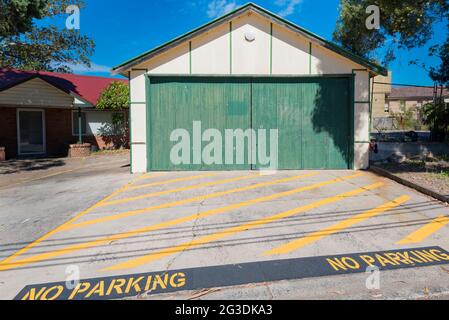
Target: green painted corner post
<point x="351" y="125"/>
<point x="129" y="127"/>
<point x="148" y="126"/>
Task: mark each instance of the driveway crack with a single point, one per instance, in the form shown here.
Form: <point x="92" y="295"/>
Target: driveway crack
<point x="194" y="235"/>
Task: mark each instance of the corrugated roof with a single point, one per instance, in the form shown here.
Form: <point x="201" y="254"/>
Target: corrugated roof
<point x="87" y="88"/>
<point x="414" y="92"/>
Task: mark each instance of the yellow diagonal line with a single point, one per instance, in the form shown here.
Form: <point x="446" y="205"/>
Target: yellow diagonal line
<point x="81" y="214"/>
<point x="186" y="201"/>
<point x="426" y="231"/>
<point x="159" y="226"/>
<point x="159" y="183"/>
<point x="230" y="231"/>
<point x="165" y="192"/>
<point x="315" y="236"/>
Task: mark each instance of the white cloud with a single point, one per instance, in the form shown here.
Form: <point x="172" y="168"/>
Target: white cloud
<point x="94" y="68"/>
<point x="217" y="8"/>
<point x="288" y="6"/>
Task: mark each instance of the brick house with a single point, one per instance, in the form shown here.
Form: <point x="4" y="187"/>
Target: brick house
<point x="39" y="112"/>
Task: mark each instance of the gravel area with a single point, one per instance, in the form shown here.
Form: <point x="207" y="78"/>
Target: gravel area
<point x="416" y="172"/>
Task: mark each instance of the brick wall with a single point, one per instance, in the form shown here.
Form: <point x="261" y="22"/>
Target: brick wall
<point x="8" y="131"/>
<point x="59" y="136"/>
<point x="58" y="123"/>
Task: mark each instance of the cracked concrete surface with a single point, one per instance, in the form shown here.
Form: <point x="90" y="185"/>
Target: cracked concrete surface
<point x="34" y="208"/>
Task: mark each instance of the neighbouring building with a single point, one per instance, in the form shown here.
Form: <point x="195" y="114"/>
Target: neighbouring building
<point x="391" y="99"/>
<point x="404" y="98"/>
<point x="381" y="89"/>
<point x="251" y="69"/>
<point x="39" y="112"/>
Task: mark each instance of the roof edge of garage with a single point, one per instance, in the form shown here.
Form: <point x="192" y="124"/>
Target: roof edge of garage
<point x="270" y="15"/>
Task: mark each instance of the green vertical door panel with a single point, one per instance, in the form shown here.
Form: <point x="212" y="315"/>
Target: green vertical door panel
<point x="177" y="102"/>
<point x="312" y="117"/>
<point x="276" y="106"/>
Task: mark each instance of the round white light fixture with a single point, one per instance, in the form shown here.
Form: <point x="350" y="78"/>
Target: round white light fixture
<point x="250" y="36"/>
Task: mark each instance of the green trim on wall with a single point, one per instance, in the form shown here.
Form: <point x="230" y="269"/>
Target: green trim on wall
<point x="271" y="48"/>
<point x="230" y="47"/>
<point x="190" y="57"/>
<point x="351" y="124"/>
<point x="130" y="129"/>
<point x="310" y="57"/>
<point x="148" y="119"/>
<point x="138" y="102"/>
<point x="370" y="97"/>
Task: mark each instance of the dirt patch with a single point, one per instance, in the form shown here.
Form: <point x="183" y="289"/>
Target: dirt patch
<point x="421" y="173"/>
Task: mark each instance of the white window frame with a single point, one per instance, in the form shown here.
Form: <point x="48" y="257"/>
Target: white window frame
<point x="44" y="133"/>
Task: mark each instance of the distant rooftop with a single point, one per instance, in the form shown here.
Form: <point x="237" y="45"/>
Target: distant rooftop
<point x="414" y="92"/>
<point x="88" y="88"/>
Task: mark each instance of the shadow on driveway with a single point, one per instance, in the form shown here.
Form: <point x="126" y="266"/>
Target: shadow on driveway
<point x="16" y="166"/>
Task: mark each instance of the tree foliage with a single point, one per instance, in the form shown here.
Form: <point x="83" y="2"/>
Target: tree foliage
<point x="437" y="117"/>
<point x="114" y="97"/>
<point x="26" y="45"/>
<point x="403" y="23"/>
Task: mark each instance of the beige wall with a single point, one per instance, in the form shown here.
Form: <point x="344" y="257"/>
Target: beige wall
<point x="380" y="91"/>
<point x="220" y="52"/>
<point x="35" y="92"/>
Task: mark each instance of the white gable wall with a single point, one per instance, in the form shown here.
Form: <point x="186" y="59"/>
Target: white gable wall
<point x="221" y="52"/>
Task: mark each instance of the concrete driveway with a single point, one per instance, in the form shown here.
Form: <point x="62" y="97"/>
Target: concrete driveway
<point x="214" y="235"/>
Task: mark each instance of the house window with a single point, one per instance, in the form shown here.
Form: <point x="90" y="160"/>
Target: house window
<point x="402" y="105"/>
<point x="75" y="123"/>
<point x="387" y="107"/>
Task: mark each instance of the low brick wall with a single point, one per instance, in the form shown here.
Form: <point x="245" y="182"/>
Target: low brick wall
<point x="79" y="150"/>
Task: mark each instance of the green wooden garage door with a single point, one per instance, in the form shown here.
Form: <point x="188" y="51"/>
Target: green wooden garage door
<point x="312" y="115"/>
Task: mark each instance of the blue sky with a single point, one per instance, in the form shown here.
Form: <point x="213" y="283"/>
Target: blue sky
<point x="124" y="29"/>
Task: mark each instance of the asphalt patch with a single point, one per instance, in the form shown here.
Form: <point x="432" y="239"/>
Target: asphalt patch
<point x="152" y="283"/>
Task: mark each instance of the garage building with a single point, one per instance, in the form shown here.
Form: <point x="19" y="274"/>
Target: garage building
<point x="252" y="69"/>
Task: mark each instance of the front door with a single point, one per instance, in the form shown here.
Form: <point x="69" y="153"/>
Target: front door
<point x="31" y="132"/>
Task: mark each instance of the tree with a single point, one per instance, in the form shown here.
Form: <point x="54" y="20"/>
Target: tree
<point x="116" y="97"/>
<point x="404" y="23"/>
<point x="437" y="117"/>
<point x="25" y="45"/>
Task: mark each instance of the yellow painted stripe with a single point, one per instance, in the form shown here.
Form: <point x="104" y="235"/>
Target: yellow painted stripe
<point x="230" y="231"/>
<point x="315" y="236"/>
<point x="159" y="226"/>
<point x="189" y="200"/>
<point x="159" y="183"/>
<point x="426" y="231"/>
<point x="81" y="214"/>
<point x="165" y="192"/>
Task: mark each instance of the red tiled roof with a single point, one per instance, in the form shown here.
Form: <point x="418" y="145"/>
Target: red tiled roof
<point x="88" y="88"/>
<point x="414" y="92"/>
